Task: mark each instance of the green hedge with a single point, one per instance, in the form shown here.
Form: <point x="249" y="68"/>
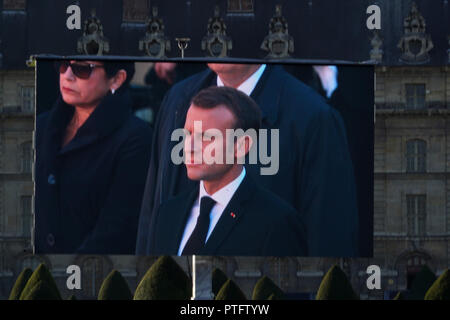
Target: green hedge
<point x="218" y="279"/>
<point x="440" y="290"/>
<point x="399" y="296"/>
<point x="422" y="282"/>
<point x="230" y="291"/>
<point x="164" y="280"/>
<point x="42" y="290"/>
<point x="114" y="287"/>
<point x="335" y="286"/>
<point x="41" y="274"/>
<point x="264" y="288"/>
<point x="20" y="284"/>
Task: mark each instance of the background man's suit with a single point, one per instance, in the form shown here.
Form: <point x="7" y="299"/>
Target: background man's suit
<point x="353" y="99"/>
<point x="315" y="174"/>
<point x="262" y="225"/>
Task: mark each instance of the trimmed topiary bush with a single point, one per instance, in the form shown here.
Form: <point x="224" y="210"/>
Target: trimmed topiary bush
<point x="230" y="291"/>
<point x="264" y="288"/>
<point x="164" y="280"/>
<point x="41" y="291"/>
<point x="40" y="274"/>
<point x="335" y="286"/>
<point x="20" y="283"/>
<point x="421" y="283"/>
<point x="218" y="279"/>
<point x="114" y="287"/>
<point x="399" y="296"/>
<point x="440" y="290"/>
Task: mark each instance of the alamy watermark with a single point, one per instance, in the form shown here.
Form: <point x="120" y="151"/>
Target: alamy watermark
<point x="73" y="21"/>
<point x="211" y="147"/>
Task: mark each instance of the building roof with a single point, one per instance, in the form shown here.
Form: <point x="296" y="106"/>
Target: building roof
<point x="334" y="29"/>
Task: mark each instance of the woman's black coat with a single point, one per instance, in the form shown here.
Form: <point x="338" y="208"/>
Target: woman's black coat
<point x="88" y="193"/>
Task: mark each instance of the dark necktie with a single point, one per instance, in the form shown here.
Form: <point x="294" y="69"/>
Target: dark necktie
<point x="197" y="239"/>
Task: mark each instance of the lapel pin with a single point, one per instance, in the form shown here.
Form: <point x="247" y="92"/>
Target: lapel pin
<point x="233" y="215"/>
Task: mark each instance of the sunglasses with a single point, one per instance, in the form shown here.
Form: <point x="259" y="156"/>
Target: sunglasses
<point x="82" y="71"/>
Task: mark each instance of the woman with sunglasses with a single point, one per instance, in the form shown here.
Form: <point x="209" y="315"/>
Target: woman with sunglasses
<point x="92" y="156"/>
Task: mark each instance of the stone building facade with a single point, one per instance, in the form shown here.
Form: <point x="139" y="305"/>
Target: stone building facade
<point x="411" y="187"/>
<point x="412" y="214"/>
<point x="412" y="195"/>
<point x="16" y="187"/>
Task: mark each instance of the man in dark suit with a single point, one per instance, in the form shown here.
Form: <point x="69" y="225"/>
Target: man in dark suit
<point x="315" y="173"/>
<point x="227" y="214"/>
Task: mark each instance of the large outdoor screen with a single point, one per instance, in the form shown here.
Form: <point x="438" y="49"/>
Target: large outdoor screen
<point x="199" y="158"/>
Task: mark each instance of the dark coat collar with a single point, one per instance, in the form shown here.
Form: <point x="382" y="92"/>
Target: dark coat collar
<point x="186" y="203"/>
<point x="202" y="80"/>
<point x="267" y="93"/>
<point x="109" y="115"/>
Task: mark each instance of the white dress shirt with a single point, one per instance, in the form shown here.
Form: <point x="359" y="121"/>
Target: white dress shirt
<point x="328" y="78"/>
<point x="222" y="197"/>
<point x="248" y="85"/>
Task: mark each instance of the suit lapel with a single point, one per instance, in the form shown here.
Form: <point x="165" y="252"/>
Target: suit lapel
<point x="268" y="92"/>
<point x="230" y="217"/>
<point x="176" y="222"/>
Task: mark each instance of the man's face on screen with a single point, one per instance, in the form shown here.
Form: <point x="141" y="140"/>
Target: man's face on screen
<point x="201" y="148"/>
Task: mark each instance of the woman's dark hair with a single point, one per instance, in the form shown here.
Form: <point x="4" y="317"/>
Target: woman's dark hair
<point x="112" y="67"/>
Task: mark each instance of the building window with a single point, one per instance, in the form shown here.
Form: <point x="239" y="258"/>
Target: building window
<point x="26" y="216"/>
<point x="27" y="99"/>
<point x="240" y="6"/>
<point x="416" y="212"/>
<point x="26" y="157"/>
<point x="416" y="261"/>
<point x="416" y="156"/>
<point x="92" y="269"/>
<point x="415" y="96"/>
<point x="14" y="4"/>
<point x="135" y="10"/>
